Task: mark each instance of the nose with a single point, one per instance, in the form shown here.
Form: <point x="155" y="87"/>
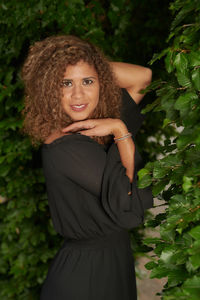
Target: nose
<point x="78" y="91"/>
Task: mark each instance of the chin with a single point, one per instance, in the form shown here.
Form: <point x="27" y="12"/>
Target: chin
<point x="79" y="118"/>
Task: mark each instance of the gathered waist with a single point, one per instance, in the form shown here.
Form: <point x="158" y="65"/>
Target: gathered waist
<point x="115" y="238"/>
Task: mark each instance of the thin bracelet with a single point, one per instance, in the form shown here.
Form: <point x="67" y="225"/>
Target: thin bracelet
<point x="129" y="134"/>
<point x="122" y="136"/>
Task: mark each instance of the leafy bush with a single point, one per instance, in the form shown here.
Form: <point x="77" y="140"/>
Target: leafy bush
<point x="176" y="176"/>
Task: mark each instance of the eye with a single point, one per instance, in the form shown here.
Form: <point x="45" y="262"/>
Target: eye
<point x="87" y="81"/>
<point x="67" y="83"/>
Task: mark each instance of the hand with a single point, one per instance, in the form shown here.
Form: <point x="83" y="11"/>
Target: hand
<point x="98" y="127"/>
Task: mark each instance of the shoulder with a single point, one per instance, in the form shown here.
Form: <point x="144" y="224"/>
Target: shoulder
<point x="73" y="145"/>
<point x="75" y="157"/>
<point x="53" y="136"/>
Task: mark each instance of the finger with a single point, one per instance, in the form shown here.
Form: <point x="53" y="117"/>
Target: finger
<point x="78" y="125"/>
<point x="71" y="127"/>
<point x="88" y="132"/>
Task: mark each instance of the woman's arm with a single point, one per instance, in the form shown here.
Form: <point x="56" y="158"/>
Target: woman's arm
<point x="126" y="149"/>
<point x="102" y="127"/>
<point x="132" y="77"/>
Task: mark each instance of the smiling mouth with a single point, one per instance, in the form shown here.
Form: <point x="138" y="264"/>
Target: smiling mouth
<point x="79" y="107"/>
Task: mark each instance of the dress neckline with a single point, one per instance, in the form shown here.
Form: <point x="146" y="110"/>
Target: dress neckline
<point x="60" y="139"/>
<point x="56" y="141"/>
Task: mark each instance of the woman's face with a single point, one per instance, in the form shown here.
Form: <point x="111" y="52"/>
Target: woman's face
<point x="80" y="90"/>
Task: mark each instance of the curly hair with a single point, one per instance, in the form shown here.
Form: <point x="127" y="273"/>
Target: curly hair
<point x="42" y="73"/>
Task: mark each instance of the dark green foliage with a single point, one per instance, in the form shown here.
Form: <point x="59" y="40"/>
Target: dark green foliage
<point x="176" y="176"/>
<point x="125" y="30"/>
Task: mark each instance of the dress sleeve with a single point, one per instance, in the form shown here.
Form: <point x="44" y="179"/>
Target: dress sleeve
<point x="124" y="201"/>
<point x="131" y="113"/>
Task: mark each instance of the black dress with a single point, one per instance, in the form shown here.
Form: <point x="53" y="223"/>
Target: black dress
<point x="91" y="207"/>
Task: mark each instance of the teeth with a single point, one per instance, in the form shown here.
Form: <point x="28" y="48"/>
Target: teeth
<point x="79" y="106"/>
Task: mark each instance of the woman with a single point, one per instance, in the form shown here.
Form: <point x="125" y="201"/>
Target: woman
<point x="79" y="105"/>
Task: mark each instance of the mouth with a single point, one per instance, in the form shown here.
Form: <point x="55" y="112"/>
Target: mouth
<point x="78" y="107"/>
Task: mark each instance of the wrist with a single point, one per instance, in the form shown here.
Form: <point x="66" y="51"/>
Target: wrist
<point x="119" y="129"/>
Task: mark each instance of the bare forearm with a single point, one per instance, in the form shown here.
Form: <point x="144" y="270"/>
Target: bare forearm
<point x="132" y="77"/>
<point x="126" y="149"/>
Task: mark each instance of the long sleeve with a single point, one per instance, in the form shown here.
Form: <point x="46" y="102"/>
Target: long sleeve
<point x="123" y="201"/>
<point x="132" y="117"/>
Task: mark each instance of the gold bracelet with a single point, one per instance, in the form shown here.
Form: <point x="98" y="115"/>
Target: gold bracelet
<point x="129" y="134"/>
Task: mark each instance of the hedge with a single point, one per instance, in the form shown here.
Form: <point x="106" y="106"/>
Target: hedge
<point x="175" y="178"/>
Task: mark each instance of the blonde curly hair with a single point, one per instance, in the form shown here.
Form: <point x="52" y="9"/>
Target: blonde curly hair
<point x="42" y="73"/>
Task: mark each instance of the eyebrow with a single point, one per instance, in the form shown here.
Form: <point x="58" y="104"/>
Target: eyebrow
<point x="82" y="78"/>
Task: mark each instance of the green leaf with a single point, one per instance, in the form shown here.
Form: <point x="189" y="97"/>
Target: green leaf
<point x="191" y="118"/>
<point x="167" y="104"/>
<point x="195" y="248"/>
<point x="145" y="181"/>
<point x="159" y="186"/>
<point x="4" y="170"/>
<point x="159" y="272"/>
<point x="192" y="285"/>
<point x="159" y="171"/>
<point x="183" y="102"/>
<point x="195" y="260"/>
<point x="187" y="183"/>
<point x="186" y="137"/>
<point x="169" y="61"/>
<point x="178" y="199"/>
<point x="183" y="12"/>
<point x="196" y="78"/>
<point x="194" y="58"/>
<point x="157" y="56"/>
<point x="175" y="174"/>
<point x="181" y="63"/>
<point x="142" y="172"/>
<point x="171" y="160"/>
<point x="183" y="79"/>
<point x="195" y="232"/>
<point x="166" y="122"/>
<point x="167" y="235"/>
<point x="151" y="106"/>
<point x="166" y="256"/>
<point x="176" y="276"/>
<point x="190" y="267"/>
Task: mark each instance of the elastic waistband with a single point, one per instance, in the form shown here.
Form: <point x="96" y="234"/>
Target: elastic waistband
<point x="116" y="238"/>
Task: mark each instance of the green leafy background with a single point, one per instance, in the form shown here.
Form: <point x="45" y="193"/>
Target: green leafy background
<point x="163" y="36"/>
<point x="176" y="176"/>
